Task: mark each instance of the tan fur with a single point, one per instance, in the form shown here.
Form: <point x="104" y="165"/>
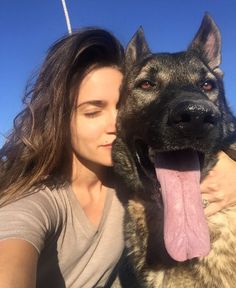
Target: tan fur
<point x="214" y="271"/>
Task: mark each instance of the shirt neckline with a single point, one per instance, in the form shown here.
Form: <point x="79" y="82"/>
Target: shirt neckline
<point x="87" y="226"/>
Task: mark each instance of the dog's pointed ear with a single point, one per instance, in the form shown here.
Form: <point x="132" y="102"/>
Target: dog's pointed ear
<point x="207" y="42"/>
<point x="136" y="49"/>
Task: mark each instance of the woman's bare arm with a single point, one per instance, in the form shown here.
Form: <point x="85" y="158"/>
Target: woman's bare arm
<point x="18" y="264"/>
<point x="219" y="187"/>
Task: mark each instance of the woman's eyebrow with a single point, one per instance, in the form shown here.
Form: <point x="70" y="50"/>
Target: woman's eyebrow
<point x="97" y="103"/>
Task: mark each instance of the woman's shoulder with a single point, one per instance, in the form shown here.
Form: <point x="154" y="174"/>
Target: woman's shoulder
<point x="41" y="196"/>
<point x="31" y="218"/>
<point x="35" y="216"/>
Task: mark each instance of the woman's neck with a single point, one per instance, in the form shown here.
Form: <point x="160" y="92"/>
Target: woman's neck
<point x="88" y="177"/>
<point x="90" y="189"/>
<point x="87" y="173"/>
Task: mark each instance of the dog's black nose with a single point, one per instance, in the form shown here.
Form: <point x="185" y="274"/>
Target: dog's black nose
<point x="193" y="117"/>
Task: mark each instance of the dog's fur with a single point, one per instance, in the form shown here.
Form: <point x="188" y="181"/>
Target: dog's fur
<point x="159" y="90"/>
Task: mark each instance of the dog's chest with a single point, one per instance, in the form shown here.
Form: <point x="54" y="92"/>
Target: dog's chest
<point x="215" y="270"/>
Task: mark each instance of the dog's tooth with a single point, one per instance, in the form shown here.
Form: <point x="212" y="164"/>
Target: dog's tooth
<point x="151" y="155"/>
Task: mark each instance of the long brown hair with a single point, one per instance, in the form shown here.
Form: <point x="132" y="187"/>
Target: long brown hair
<point x="37" y="148"/>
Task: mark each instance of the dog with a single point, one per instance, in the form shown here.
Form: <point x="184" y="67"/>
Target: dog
<point x="173" y="119"/>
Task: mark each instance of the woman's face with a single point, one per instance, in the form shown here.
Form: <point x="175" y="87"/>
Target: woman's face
<point x="93" y="121"/>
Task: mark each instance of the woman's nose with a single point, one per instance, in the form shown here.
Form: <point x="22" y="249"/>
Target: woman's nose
<point x="111" y="127"/>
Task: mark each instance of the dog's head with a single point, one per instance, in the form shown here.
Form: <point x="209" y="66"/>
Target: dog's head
<point x="176" y="101"/>
<point x="173" y="118"/>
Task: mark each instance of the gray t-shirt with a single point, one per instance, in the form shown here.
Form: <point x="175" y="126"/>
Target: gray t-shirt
<point x="73" y="252"/>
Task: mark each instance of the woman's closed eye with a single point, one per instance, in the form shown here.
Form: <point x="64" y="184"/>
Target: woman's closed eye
<point x="91" y="109"/>
<point x="92" y="114"/>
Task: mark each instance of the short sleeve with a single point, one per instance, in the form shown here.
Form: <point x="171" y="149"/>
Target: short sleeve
<point x="32" y="218"/>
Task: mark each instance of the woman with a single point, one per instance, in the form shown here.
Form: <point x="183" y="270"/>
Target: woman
<point x="59" y="218"/>
<point x="67" y="232"/>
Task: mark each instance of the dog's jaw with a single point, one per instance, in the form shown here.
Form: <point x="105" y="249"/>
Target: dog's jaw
<point x="177" y="173"/>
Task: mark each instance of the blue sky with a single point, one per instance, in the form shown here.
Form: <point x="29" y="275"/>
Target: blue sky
<point x="29" y="27"/>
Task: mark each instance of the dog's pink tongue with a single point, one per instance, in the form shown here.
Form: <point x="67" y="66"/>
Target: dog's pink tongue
<point x="186" y="232"/>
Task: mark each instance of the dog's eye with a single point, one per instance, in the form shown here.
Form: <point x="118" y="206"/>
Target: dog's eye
<point x="146" y="84"/>
<point x="207" y="86"/>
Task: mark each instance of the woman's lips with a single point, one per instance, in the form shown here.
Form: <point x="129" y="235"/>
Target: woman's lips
<point x="107" y="145"/>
